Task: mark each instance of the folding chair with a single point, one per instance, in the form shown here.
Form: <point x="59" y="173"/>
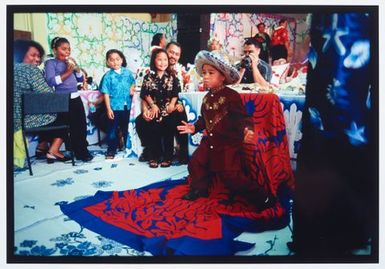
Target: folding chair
<point x="44" y="103"/>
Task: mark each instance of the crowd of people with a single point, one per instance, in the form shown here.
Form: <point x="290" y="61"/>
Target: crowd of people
<point x="162" y="111"/>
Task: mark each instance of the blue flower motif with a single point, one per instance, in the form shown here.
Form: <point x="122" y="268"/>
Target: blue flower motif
<point x="356" y="134"/>
<point x="191" y="114"/>
<point x="368" y="103"/>
<point x="42" y="251"/>
<point x="196" y="138"/>
<point x="359" y="55"/>
<point x="84" y="245"/>
<point x="337" y="95"/>
<point x="107" y="247"/>
<point x="63" y="182"/>
<point x="250" y="107"/>
<point x="80" y="171"/>
<point x="312" y="56"/>
<point x="333" y="36"/>
<point x="75" y="235"/>
<point x="102" y="184"/>
<point x="83" y="249"/>
<point x="24" y="253"/>
<point x="315" y="118"/>
<point x="28" y="243"/>
<point x="111" y="247"/>
<point x="76" y="252"/>
<point x="61" y="245"/>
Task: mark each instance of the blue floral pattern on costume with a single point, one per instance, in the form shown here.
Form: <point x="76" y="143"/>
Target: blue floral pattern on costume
<point x="315" y="118"/>
<point x="333" y="36"/>
<point x="356" y="134"/>
<point x="337" y="95"/>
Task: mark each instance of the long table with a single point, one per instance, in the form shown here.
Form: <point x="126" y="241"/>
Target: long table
<point x="291" y="107"/>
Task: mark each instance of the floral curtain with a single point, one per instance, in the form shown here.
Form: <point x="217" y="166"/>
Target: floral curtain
<point x="91" y="35"/>
<point x="232" y="29"/>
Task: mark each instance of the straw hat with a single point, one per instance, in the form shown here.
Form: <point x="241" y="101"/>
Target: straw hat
<point x="205" y="57"/>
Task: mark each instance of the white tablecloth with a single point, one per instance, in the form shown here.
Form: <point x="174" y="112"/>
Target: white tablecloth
<point x="133" y="142"/>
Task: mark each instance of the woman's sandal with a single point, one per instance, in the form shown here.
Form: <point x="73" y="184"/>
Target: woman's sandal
<point x="51" y="158"/>
<point x="153" y="164"/>
<point x="165" y="163"/>
<point x="110" y="156"/>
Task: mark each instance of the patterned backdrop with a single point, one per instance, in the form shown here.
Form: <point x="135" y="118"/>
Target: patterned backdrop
<point x="92" y="34"/>
<point x="232" y="28"/>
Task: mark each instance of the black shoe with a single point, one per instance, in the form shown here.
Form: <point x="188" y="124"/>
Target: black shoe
<point x="51" y="158"/>
<point x="87" y="158"/>
<point x="110" y="155"/>
<point x="182" y="156"/>
<point x="40" y="153"/>
<point x="143" y="157"/>
<point x="192" y="195"/>
<point x="183" y="160"/>
<point x="291" y="246"/>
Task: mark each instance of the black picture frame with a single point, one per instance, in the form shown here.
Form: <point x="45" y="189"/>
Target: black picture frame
<point x="193" y="9"/>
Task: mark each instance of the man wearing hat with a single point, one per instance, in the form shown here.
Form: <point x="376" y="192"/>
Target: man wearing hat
<point x="228" y="126"/>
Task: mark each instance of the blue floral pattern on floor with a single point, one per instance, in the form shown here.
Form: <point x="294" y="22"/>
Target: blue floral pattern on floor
<point x="63" y="182"/>
<point x="75" y="244"/>
<point x="102" y="184"/>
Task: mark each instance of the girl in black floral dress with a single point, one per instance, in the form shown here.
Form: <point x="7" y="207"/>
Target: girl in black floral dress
<point x="160" y="92"/>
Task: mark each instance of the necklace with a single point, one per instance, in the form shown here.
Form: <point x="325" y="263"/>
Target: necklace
<point x="215" y="90"/>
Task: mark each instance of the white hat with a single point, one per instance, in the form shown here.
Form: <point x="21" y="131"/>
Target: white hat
<point x="205" y="57"/>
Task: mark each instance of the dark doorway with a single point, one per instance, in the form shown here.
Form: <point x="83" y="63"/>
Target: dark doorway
<point x="18" y="34"/>
<point x="193" y="33"/>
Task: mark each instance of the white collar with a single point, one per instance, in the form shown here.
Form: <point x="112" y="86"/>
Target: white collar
<point x="119" y="71"/>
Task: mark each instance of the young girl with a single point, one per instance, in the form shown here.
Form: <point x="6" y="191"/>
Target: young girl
<point x="63" y="74"/>
<point x="228" y="126"/>
<point x="160" y="92"/>
<point x="118" y="87"/>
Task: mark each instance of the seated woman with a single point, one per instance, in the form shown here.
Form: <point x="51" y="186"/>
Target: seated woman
<point x="160" y="91"/>
<point x="28" y="78"/>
